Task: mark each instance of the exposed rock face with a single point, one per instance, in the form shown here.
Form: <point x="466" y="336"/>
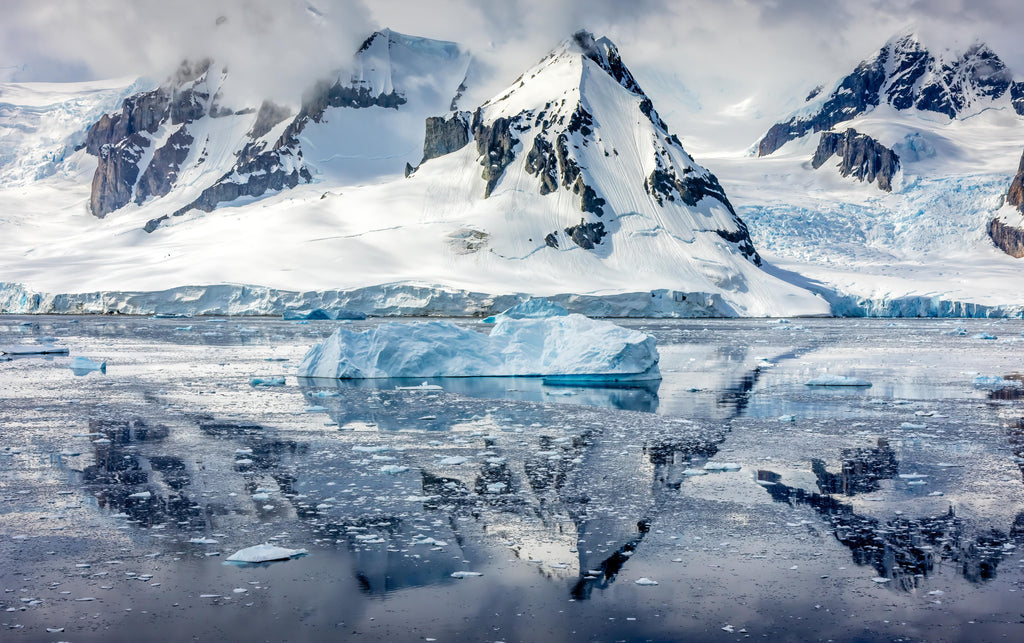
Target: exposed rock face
<point x="119" y="140"/>
<point x="445" y="135"/>
<point x="861" y="156"/>
<point x="584" y="235"/>
<point x="496" y="145"/>
<point x="905" y="75"/>
<point x="1015" y="196"/>
<point x="1007" y="238"/>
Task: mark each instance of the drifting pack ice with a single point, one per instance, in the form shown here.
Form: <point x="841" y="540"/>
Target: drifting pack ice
<point x="564" y="347"/>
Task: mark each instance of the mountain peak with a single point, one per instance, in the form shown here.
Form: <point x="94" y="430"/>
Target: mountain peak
<point x="905" y="74"/>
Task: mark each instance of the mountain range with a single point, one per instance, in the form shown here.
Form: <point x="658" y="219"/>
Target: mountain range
<point x="378" y="189"/>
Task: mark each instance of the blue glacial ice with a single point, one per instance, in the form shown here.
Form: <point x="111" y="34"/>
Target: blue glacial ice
<point x="536" y="308"/>
<point x="570" y="349"/>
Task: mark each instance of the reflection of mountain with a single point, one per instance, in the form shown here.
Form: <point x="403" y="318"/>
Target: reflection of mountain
<point x="902" y="549"/>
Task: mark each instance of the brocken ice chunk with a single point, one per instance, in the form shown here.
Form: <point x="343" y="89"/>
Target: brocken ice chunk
<point x="645" y="581"/>
<point x="84" y="365"/>
<point x="571" y="347"/>
<point x="466" y="574"/>
<point x="837" y="380"/>
<point x="264" y="554"/>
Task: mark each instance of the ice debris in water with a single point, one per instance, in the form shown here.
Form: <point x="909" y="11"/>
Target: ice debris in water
<point x="84" y="365"/>
<point x="722" y="466"/>
<point x="264" y="554"/>
<point x="421" y="387"/>
<point x="266" y="381"/>
<point x="393" y="469"/>
<point x="566" y="348"/>
<point x="536" y="308"/>
<point x="466" y="574"/>
<point x="984" y="336"/>
<point x="837" y="380"/>
<point x="645" y="581"/>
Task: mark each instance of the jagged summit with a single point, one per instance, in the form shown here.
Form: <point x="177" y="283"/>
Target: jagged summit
<point x="907" y="75"/>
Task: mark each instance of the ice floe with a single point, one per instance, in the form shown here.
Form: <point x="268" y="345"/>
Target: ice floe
<point x="264" y="553"/>
<point x="837" y="380"/>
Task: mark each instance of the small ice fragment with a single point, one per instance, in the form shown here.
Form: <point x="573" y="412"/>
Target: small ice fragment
<point x="209" y="596"/>
<point x="266" y="381"/>
<point x="370" y="449"/>
<point x="645" y="581"/>
<point x="421" y="387"/>
<point x="913" y="476"/>
<point x="936" y="493"/>
<point x="466" y="574"/>
<point x="264" y="553"/>
<point x="787" y="418"/>
<point x="260" y="497"/>
<point x="837" y="380"/>
<point x="722" y="466"/>
<point x="316" y="409"/>
<point x="142" y="495"/>
<point x="880" y="580"/>
<point x="39" y="349"/>
<point x="54" y="630"/>
<point x="695" y="472"/>
<point x="911" y="426"/>
<point x="454" y="460"/>
<point x="729" y="628"/>
<point x="984" y="336"/>
<point x="202" y="541"/>
<point x="392" y="469"/>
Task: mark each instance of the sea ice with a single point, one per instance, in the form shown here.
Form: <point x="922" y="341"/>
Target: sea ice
<point x="536" y="308"/>
<point x="837" y="380"/>
<point x="264" y="554"/>
<point x="565" y="348"/>
<point x="984" y="336"/>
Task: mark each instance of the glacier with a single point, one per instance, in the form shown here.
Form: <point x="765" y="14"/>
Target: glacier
<point x="567" y="348"/>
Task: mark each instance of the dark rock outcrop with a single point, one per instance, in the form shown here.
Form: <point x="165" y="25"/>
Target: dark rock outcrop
<point x="445" y="135"/>
<point x="905" y="75"/>
<point x="162" y="172"/>
<point x="862" y="157"/>
<point x="586" y="235"/>
<point x="1008" y="238"/>
<point x="496" y="145"/>
<point x="116" y="173"/>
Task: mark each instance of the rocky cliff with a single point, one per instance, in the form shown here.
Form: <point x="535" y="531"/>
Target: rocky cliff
<point x="1008" y="237"/>
<point x="861" y="157"/>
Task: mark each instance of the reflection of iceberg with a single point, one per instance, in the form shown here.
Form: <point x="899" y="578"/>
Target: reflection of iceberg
<point x="570" y="347"/>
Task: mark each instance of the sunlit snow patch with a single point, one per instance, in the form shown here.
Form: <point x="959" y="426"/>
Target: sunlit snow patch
<point x="264" y="554"/>
<point x="837" y="380"/>
<point x="563" y="348"/>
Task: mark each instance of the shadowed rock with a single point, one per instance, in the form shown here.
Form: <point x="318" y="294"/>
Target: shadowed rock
<point x="861" y="156"/>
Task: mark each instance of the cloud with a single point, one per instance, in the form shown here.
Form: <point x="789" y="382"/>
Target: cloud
<point x="698" y="59"/>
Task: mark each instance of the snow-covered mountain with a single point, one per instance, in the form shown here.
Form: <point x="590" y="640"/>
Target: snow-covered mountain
<point x="566" y="184"/>
<point x="180" y="138"/>
<point x="906" y="75"/>
<point x="884" y="189"/>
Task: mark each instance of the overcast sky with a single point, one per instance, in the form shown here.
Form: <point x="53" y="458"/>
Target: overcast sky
<point x="715" y="68"/>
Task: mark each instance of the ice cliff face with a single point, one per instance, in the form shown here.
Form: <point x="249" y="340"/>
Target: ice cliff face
<point x="905" y="75"/>
<point x="157" y="137"/>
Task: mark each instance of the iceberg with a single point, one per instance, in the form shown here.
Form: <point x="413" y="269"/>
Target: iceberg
<point x="537" y="308"/>
<point x="293" y="314"/>
<point x="837" y="380"/>
<point x="84" y="366"/>
<point x="264" y="554"/>
<point x="570" y="348"/>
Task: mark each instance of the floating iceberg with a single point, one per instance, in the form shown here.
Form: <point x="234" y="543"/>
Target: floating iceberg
<point x="84" y="366"/>
<point x="988" y="336"/>
<point x="993" y="382"/>
<point x="38" y="349"/>
<point x="538" y="308"/>
<point x="266" y="381"/>
<point x="837" y="380"/>
<point x="264" y="554"/>
<point x="321" y="313"/>
<point x="570" y="348"/>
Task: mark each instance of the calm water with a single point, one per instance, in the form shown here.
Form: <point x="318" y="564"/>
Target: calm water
<point x="894" y="512"/>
